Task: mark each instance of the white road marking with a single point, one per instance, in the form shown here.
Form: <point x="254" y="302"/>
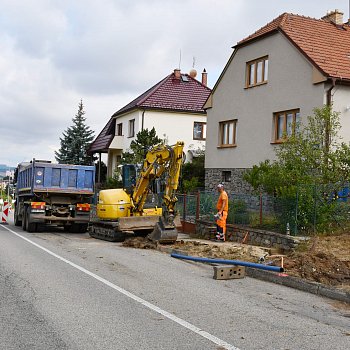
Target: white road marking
<point x="134" y="297"/>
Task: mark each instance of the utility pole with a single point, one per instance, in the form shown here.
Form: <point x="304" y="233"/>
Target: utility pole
<point x="8" y="189"/>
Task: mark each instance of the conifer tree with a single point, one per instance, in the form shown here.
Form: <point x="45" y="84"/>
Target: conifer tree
<point x="75" y="141"/>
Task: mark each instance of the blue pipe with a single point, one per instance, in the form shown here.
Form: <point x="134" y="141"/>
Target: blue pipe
<point x="228" y="262"/>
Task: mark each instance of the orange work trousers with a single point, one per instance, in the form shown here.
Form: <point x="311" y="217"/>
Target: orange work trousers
<point x="221" y="223"/>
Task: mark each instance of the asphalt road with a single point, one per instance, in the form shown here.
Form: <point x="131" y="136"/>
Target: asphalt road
<point x="70" y="291"/>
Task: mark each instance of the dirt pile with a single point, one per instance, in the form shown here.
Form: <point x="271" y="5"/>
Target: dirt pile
<point x="324" y="259"/>
<point x="319" y="267"/>
<point x="140" y="243"/>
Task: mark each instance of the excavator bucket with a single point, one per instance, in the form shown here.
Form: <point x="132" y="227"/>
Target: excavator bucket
<point x="163" y="232"/>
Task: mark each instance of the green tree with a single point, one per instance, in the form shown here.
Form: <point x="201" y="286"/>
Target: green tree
<point x="193" y="173"/>
<point x="144" y="140"/>
<point x="310" y="166"/>
<point x="75" y="141"/>
<point x="313" y="154"/>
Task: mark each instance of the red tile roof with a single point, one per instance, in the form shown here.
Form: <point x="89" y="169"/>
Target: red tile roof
<point x="172" y="94"/>
<point x="325" y="44"/>
<point x="178" y="95"/>
<point x="103" y="140"/>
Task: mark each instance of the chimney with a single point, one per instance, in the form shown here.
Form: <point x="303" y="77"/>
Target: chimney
<point x="335" y="17"/>
<point x="204" y="77"/>
<point x="177" y="73"/>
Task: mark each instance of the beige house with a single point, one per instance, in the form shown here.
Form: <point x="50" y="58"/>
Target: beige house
<point x="275" y="77"/>
<point x="174" y="107"/>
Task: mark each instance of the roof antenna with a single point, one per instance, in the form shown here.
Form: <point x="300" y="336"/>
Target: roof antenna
<point x="193" y="72"/>
<point x="180" y="58"/>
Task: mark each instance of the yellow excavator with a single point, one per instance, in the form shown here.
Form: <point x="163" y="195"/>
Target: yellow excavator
<point x="135" y="208"/>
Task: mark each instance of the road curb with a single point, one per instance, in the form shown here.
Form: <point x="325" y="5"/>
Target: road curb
<point x="285" y="280"/>
<point x="300" y="284"/>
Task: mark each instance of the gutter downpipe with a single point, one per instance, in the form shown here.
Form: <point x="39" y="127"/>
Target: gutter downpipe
<point x="228" y="262"/>
<point x="329" y="104"/>
<point x="329" y="92"/>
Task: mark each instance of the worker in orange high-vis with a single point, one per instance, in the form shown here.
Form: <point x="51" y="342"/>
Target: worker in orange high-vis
<point x="221" y="216"/>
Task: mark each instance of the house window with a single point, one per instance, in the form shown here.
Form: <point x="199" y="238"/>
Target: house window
<point x="226" y="176"/>
<point x="199" y="131"/>
<point x="285" y="124"/>
<point x="227" y="133"/>
<point x="132" y="128"/>
<point x="120" y="129"/>
<point x="257" y="72"/>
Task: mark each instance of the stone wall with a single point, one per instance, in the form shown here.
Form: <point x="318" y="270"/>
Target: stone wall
<point x="236" y="233"/>
<point x="233" y="184"/>
<point x="237" y="188"/>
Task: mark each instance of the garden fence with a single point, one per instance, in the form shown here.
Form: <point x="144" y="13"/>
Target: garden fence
<point x="302" y="210"/>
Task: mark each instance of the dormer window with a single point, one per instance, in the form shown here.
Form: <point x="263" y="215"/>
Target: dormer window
<point x="257" y="72"/>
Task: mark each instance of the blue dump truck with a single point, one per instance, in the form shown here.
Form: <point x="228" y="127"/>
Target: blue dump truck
<point x="48" y="193"/>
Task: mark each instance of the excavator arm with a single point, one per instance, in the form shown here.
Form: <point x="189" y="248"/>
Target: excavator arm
<point x="159" y="160"/>
<point x="122" y="210"/>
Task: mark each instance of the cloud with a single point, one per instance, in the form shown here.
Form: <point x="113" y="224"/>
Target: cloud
<point x="54" y="53"/>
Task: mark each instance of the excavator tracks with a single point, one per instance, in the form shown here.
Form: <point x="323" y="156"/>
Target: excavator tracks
<point x="107" y="232"/>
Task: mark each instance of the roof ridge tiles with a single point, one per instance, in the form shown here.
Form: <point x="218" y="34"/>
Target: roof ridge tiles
<point x="277" y="23"/>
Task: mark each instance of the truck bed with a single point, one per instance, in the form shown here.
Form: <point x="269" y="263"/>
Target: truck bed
<point x="39" y="177"/>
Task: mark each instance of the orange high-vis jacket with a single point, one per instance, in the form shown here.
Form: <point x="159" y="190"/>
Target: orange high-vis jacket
<point x="222" y="198"/>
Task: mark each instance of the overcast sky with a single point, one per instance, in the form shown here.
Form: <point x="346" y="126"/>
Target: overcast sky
<point x="107" y="52"/>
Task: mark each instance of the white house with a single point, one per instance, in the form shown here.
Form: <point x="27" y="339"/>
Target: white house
<point x="174" y="107"/>
<point x="274" y="77"/>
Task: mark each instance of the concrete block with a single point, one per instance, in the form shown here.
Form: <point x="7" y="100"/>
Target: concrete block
<point x="228" y="272"/>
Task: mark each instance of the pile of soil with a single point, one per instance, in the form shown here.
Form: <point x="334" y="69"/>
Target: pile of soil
<point x="140" y="243"/>
<point x="323" y="259"/>
<point x="319" y="267"/>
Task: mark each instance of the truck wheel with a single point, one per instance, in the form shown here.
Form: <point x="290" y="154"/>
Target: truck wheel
<point x="30" y="226"/>
<point x="18" y="222"/>
<point x="24" y="215"/>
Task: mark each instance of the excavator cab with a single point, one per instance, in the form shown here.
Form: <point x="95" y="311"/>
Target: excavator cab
<point x="129" y="176"/>
<point x="130" y="173"/>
